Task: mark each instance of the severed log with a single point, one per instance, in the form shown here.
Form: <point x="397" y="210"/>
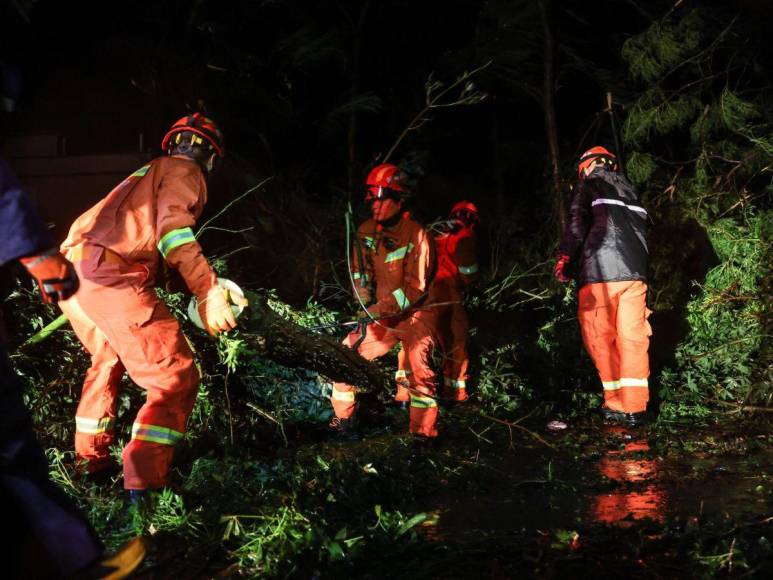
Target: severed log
<point x="291" y="345"/>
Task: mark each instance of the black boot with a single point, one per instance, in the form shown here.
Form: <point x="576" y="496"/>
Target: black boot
<point x="345" y="429"/>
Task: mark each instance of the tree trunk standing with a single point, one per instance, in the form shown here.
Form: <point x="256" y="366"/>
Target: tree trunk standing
<point x="352" y="130"/>
<point x="548" y="104"/>
<point x="290" y="345"/>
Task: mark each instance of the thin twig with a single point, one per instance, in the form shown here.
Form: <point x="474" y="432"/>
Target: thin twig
<point x="517" y="426"/>
<point x="231" y="203"/>
<point x="271" y="418"/>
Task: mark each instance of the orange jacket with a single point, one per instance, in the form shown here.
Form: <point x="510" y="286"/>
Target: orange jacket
<point x="149" y="216"/>
<point x="457" y="257"/>
<point x="400" y="262"/>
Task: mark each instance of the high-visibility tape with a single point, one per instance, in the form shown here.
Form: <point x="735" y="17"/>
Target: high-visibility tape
<point x="369" y="242"/>
<point x="401" y="298"/>
<point x="141" y="171"/>
<point x="175" y="239"/>
<point x="420" y="402"/>
<point x="402" y="373"/>
<point x="398" y="254"/>
<point x="155" y="434"/>
<point x="611" y="385"/>
<point x="357" y="276"/>
<point x="467" y="270"/>
<point x="605" y="201"/>
<point x="455" y="383"/>
<point x="628" y="382"/>
<point x="345" y="396"/>
<point x="94" y="426"/>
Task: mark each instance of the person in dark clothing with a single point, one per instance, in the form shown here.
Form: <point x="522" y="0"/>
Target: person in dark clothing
<point x="32" y="505"/>
<point x="604" y="246"/>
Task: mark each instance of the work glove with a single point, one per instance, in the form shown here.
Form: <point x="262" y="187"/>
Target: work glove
<point x="560" y="267"/>
<point x="215" y="310"/>
<point x="55" y="275"/>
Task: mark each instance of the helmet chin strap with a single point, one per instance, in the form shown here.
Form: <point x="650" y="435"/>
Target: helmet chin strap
<point x="392" y="221"/>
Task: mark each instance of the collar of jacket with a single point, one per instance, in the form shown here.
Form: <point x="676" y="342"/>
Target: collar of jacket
<point x="391" y="223"/>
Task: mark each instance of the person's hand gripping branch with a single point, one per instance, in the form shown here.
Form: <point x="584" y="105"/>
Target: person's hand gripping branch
<point x="216" y="312"/>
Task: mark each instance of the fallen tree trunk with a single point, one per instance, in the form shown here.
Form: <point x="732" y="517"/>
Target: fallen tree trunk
<point x="290" y="345"/>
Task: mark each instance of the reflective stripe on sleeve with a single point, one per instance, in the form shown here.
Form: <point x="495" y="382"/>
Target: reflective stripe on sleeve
<point x="402" y="374"/>
<point x="627" y="382"/>
<point x="155" y="434"/>
<point x="94" y="426"/>
<point x="357" y="276"/>
<point x="468" y="269"/>
<point x="611" y="385"/>
<point x="398" y="254"/>
<point x="420" y="402"/>
<point x="605" y="201"/>
<point x="345" y="396"/>
<point x="141" y="171"/>
<point x="401" y="298"/>
<point x="175" y="239"/>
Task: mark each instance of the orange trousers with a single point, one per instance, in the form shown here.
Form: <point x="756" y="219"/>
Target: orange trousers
<point x="452" y="327"/>
<point x="417" y="338"/>
<point x="125" y="327"/>
<point x="613" y="320"/>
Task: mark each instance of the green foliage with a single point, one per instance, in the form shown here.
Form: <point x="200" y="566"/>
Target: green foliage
<point x="640" y="167"/>
<point x="704" y="180"/>
<point x="658" y="113"/>
<point x="726" y="320"/>
<point x="663" y="47"/>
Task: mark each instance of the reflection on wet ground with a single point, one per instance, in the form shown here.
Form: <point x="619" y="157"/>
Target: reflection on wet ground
<point x="639" y="494"/>
<point x="617" y="481"/>
<point x="609" y="506"/>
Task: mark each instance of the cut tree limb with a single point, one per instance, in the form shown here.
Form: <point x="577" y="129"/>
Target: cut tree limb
<point x="291" y="345"/>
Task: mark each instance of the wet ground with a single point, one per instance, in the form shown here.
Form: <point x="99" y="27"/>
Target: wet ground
<point x="597" y="501"/>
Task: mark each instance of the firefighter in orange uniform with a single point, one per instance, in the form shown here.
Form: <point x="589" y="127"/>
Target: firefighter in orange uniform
<point x="457" y="259"/>
<point x="117" y="248"/>
<point x="605" y="244"/>
<point x="397" y="262"/>
<point x="457" y="269"/>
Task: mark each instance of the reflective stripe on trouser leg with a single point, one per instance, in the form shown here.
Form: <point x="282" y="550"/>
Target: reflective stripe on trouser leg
<point x="343" y="399"/>
<point x="149" y="343"/>
<point x="402" y="378"/>
<point x="418" y="343"/>
<point x="633" y="339"/>
<point x="94" y="432"/>
<point x="424" y="415"/>
<point x="597" y="313"/>
<point x="455" y="389"/>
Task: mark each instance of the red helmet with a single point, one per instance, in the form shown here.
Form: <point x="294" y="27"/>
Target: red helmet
<point x="465" y="212"/>
<point x="199" y="125"/>
<point x="596" y="154"/>
<point x="386" y="180"/>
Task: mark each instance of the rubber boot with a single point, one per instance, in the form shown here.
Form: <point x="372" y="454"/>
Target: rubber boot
<point x="345" y="429"/>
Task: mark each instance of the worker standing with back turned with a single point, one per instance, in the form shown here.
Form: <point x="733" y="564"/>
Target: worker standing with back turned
<point x="605" y="244"/>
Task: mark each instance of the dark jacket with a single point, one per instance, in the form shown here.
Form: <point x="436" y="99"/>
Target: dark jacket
<point x="22" y="231"/>
<point x="606" y="234"/>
